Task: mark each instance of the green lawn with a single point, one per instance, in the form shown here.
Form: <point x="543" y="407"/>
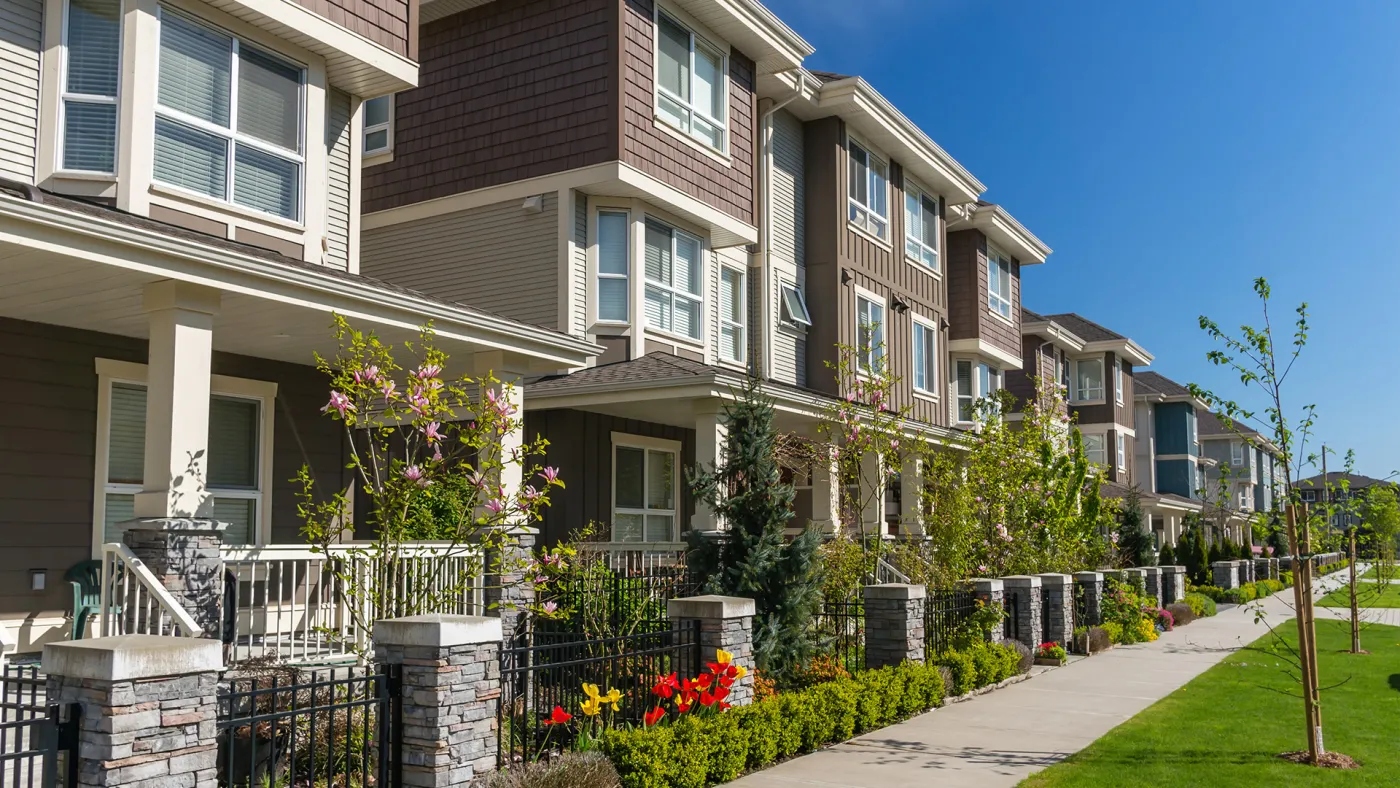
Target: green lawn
<point x="1224" y="728"/>
<point x="1370" y="574"/>
<point x="1367" y="595"/>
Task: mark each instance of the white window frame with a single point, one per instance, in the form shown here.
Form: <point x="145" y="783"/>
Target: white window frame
<point x="858" y="214"/>
<point x="647" y="445"/>
<point x="695" y="40"/>
<point x="1121" y="446"/>
<point x="595" y="255"/>
<point x="984" y="381"/>
<point x="867" y="357"/>
<point x="1246" y="499"/>
<point x="800" y="321"/>
<point x="1079" y="393"/>
<point x="1309" y="496"/>
<point x="88" y="98"/>
<point x="387" y="127"/>
<point x="231" y="136"/>
<point x="999" y="305"/>
<point x="931" y="332"/>
<point x="1101" y="451"/>
<point x="1118" y="379"/>
<point x="110" y="371"/>
<point x="740" y="328"/>
<point x="671" y="289"/>
<point x="915" y="248"/>
<point x="1237" y="453"/>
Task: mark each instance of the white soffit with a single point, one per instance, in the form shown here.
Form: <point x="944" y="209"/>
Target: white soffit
<point x="752" y="29"/>
<point x="1008" y="234"/>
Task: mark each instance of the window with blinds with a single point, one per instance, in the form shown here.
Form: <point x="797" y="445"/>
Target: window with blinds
<point x="234" y="470"/>
<point x="999" y="283"/>
<point x="690" y="84"/>
<point x="644" y="494"/>
<point x="229" y="119"/>
<point x="674" y="272"/>
<point x="732" y="299"/>
<point x="920" y="227"/>
<point x="92" y="65"/>
<point x="867" y="187"/>
<point x="870" y="335"/>
<point x="614" y="261"/>
<point x="925" y="358"/>
<point x="967" y="396"/>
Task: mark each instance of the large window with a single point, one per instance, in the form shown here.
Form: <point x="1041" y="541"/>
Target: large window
<point x="925" y="357"/>
<point x="234" y="476"/>
<point x="920" y="227"/>
<point x="690" y="86"/>
<point x="614" y="261"/>
<point x="229" y="119"/>
<point x="1237" y="454"/>
<point x="92" y="66"/>
<point x="644" y="493"/>
<point x="732" y="307"/>
<point x="870" y="334"/>
<point x="1096" y="449"/>
<point x="868" y="193"/>
<point x="1118" y="379"/>
<point x="1088" y="379"/>
<point x="975" y="381"/>
<point x="675" y="274"/>
<point x="999" y="283"/>
<point x="1122" y="451"/>
<point x="794" y="305"/>
<point x="379" y="125"/>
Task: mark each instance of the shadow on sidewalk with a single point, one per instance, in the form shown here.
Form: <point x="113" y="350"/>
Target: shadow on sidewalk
<point x="895" y="752"/>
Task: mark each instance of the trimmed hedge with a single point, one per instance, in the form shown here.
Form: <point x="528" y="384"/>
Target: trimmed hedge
<point x="1200" y="604"/>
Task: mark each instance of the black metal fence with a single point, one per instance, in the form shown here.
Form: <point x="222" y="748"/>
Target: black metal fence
<point x="841" y="632"/>
<point x="947" y="612"/>
<point x="541" y="670"/>
<point x="38" y="739"/>
<point x="607" y="602"/>
<point x="1011" y="622"/>
<point x="336" y="727"/>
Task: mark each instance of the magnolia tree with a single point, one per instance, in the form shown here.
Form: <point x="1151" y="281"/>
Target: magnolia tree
<point x="428" y="458"/>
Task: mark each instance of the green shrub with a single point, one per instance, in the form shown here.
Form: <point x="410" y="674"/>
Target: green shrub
<point x="1114" y="630"/>
<point x="1202" y="605"/>
<point x="963" y="669"/>
<point x="1286" y="578"/>
<point x="1271" y="586"/>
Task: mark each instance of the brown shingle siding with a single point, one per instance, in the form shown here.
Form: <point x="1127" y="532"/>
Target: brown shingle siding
<point x="385" y="22"/>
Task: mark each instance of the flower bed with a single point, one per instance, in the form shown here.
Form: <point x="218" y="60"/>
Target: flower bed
<point x="1050" y="653"/>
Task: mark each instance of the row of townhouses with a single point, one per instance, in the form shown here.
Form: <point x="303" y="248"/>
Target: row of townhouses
<point x="626" y="207"/>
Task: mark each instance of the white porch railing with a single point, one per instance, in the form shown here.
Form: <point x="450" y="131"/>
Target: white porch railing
<point x="134" y="602"/>
<point x="290" y="603"/>
<point x="637" y="556"/>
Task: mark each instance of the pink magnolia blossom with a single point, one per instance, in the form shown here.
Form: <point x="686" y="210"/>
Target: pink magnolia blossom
<point x="368" y="375"/>
<point x="478" y="480"/>
<point x="437" y="454"/>
<point x="415" y="474"/>
<point x="339" y="403"/>
<point x="433" y="432"/>
<point x="387" y="387"/>
<point x="428" y="371"/>
<point x="550" y="608"/>
<point x="495" y="506"/>
<point x="500" y="403"/>
<point x="550" y="474"/>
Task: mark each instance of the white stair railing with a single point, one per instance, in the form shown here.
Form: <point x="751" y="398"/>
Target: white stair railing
<point x="134" y="602"/>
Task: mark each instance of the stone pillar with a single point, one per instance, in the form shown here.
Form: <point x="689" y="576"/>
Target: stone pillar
<point x="184" y="556"/>
<point x="1023" y="593"/>
<point x="1057" y="591"/>
<point x="894" y="624"/>
<point x="1173" y="584"/>
<point x="1225" y="574"/>
<point x="826" y="490"/>
<point x="451" y="687"/>
<point x="710" y="437"/>
<point x="1092" y="585"/>
<point x="1246" y="569"/>
<point x="1152" y="577"/>
<point x="148" y="708"/>
<point x="991" y="592"/>
<point x="1273" y="568"/>
<point x="509" y="591"/>
<point x="872" y="494"/>
<point x="726" y="622"/>
<point x="911" y="496"/>
<point x="1261" y="569"/>
<point x="1135" y="579"/>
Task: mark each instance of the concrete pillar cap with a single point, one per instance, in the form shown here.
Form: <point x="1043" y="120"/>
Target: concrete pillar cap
<point x="189" y="524"/>
<point x="437" y="630"/>
<point x="126" y="657"/>
<point x="1152" y="570"/>
<point x="710" y="606"/>
<point x="1054" y="579"/>
<point x="895" y="591"/>
<point x="1022" y="581"/>
<point x="1089" y="577"/>
<point x="987" y="585"/>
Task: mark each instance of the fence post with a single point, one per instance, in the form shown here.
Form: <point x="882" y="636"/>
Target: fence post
<point x="990" y="592"/>
<point x="451" y="685"/>
<point x="1092" y="583"/>
<point x="894" y="624"/>
<point x="508" y="591"/>
<point x="1058" y="591"/>
<point x="1173" y="584"/>
<point x="1152" y="582"/>
<point x="148" y="708"/>
<point x="1225" y="574"/>
<point x="726" y="622"/>
<point x="1025" y="589"/>
<point x="1273" y="568"/>
<point x="183" y="554"/>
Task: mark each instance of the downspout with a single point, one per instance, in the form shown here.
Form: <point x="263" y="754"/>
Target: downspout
<point x="765" y="249"/>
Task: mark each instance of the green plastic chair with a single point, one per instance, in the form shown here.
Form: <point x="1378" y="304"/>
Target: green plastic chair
<point x="86" y="579"/>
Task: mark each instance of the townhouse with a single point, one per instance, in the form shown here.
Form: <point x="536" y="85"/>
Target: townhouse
<point x="1339" y="488"/>
<point x="179" y="217"/>
<point x="1168" y="452"/>
<point x="1246" y="472"/>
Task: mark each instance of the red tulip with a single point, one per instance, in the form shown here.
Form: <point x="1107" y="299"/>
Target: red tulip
<point x="666" y="686"/>
<point x="702" y="682"/>
<point x="654" y="716"/>
<point x="558" y="717"/>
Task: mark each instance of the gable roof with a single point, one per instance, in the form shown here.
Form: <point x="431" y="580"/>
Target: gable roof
<point x="1211" y="424"/>
<point x="1087" y="329"/>
<point x="1154" y="386"/>
<point x="1354" y="481"/>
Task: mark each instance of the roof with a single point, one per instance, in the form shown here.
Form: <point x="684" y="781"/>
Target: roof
<point x="1027" y="316"/>
<point x="1334" y="478"/>
<point x="1208" y="424"/>
<point x="1155" y="383"/>
<point x="828" y="76"/>
<point x="651" y="368"/>
<point x="1085" y="328"/>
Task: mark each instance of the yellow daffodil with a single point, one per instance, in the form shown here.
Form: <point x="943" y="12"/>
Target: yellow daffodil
<point x="740" y="671"/>
<point x="591" y="690"/>
<point x="592" y="707"/>
<point x="613" y="697"/>
<point x="723" y="657"/>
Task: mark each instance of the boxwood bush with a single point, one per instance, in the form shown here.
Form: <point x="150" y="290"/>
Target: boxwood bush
<point x="1200" y="604"/>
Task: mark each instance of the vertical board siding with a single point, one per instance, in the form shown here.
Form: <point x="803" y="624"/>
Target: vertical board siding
<point x="499" y="257"/>
<point x="21" y="39"/>
<point x="338" y="180"/>
<point x="511" y="90"/>
<point x="580" y="264"/>
<point x="788" y="245"/>
<point x="729" y="188"/>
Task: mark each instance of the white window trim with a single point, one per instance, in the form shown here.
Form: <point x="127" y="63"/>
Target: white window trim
<point x="792" y="321"/>
<point x="852" y="202"/>
<point x="111" y="371"/>
<point x="1237" y="453"/>
<point x="595" y="270"/>
<point x="630" y="441"/>
<point x="386" y="153"/>
<point x="1078" y="397"/>
<point x="64" y="97"/>
<point x="696" y="38"/>
<point x="928" y="325"/>
<point x="231" y="136"/>
<point x="977" y="393"/>
<point x="994" y="299"/>
<point x="883" y="350"/>
<point x="1121" y="447"/>
<point x="1118" y="379"/>
<point x="742" y="326"/>
<point x="912" y="188"/>
<point x="1102" y="437"/>
<point x="671" y="289"/>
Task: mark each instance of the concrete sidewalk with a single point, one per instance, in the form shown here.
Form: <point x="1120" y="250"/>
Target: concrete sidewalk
<point x="1000" y="738"/>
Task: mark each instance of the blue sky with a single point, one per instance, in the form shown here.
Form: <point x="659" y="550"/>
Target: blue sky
<point x="1170" y="153"/>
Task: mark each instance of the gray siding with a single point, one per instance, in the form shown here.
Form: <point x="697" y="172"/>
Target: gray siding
<point x="338" y="180"/>
<point x="21" y="23"/>
<point x="499" y="257"/>
<point x="580" y="263"/>
<point x="788" y="244"/>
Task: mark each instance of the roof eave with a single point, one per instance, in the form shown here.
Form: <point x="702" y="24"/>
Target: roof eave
<point x="1054" y="332"/>
<point x="1126" y="348"/>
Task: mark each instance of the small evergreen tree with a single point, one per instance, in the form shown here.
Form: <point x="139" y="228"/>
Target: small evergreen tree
<point x="1167" y="556"/>
<point x="1203" y="573"/>
<point x="1134" y="543"/>
<point x="754" y="558"/>
<point x="1246" y="552"/>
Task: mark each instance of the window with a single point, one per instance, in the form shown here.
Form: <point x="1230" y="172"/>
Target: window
<point x="870" y="334"/>
<point x="1063" y="362"/>
<point x="92" y="65"/>
<point x="925" y="358"/>
<point x="614" y="257"/>
<point x="975" y="381"/>
<point x="1309" y="496"/>
<point x="1096" y="449"/>
<point x="920" y="227"/>
<point x="999" y="283"/>
<point x="988" y="382"/>
<point x="235" y="461"/>
<point x="1118" y="379"/>
<point x="228" y="119"/>
<point x="644" y="494"/>
<point x="795" y="306"/>
<point x="732" y="304"/>
<point x="868" y="195"/>
<point x="1246" y="499"/>
<point x="379" y="125"/>
<point x="690" y="87"/>
<point x="1122" y="451"/>
<point x="1191" y="432"/>
<point x="674" y="273"/>
<point x="1088" y="379"/>
<point x="1237" y="453"/>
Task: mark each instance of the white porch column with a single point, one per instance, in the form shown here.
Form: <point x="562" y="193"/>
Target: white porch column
<point x="180" y="357"/>
<point x="507" y="589"/>
<point x="826" y="490"/>
<point x="506" y="388"/>
<point x="911" y="496"/>
<point x="872" y="494"/>
<point x="710" y="437"/>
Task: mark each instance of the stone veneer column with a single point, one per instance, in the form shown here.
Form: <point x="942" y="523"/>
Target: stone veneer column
<point x="991" y="592"/>
<point x="148" y="708"/>
<point x="509" y="592"/>
<point x="1135" y="579"/>
<point x="1152" y="580"/>
<point x="1225" y="574"/>
<point x="451" y="686"/>
<point x="1173" y="584"/>
<point x="183" y="554"/>
<point x="1260" y="569"/>
<point x="1092" y="583"/>
<point x="1273" y="569"/>
<point x="894" y="624"/>
<point x="726" y="622"/>
<point x="1058" y="591"/>
<point x="1025" y="590"/>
